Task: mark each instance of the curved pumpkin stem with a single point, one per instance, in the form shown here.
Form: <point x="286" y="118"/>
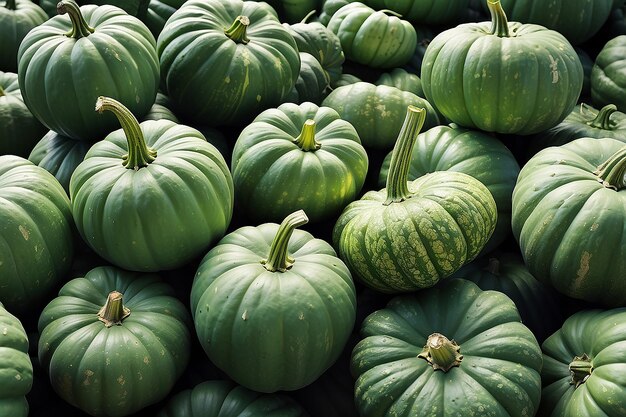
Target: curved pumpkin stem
<point x="603" y="118"/>
<point x="80" y="28"/>
<point x="499" y="22"/>
<point x="237" y="31"/>
<point x="278" y="258"/>
<point x="612" y="172"/>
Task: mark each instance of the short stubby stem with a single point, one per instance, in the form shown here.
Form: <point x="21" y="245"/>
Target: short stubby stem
<point x="113" y="311"/>
<point x="580" y="369"/>
<point x="306" y="140"/>
<point x="237" y="31"/>
<point x="278" y="259"/>
<point x="441" y="353"/>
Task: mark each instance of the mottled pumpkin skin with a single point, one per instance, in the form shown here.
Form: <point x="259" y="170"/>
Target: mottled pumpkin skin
<point x="498" y="374"/>
<point x="414" y="243"/>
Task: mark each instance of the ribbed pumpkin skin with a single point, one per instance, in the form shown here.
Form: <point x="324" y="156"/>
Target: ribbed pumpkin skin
<point x="219" y="398"/>
<point x="429" y="12"/>
<point x="451" y="148"/>
<point x="608" y="78"/>
<point x="601" y="335"/>
<point x="215" y="81"/>
<point x="521" y="84"/>
<point x="498" y="375"/>
<point x="373" y="38"/>
<point x="62" y="77"/>
<point x="273" y="176"/>
<point x="312" y="82"/>
<point x="59" y="155"/>
<point x="136" y="8"/>
<point x="160" y="216"/>
<point x="568" y="225"/>
<point x="272" y="331"/>
<point x="577" y="20"/>
<point x="413" y="244"/>
<point x="14" y="25"/>
<point x="16" y="369"/>
<point x="158" y="12"/>
<point x="19" y="129"/>
<point x="117" y="370"/>
<point x="36" y="234"/>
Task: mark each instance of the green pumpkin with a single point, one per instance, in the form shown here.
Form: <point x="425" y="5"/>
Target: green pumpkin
<point x="377" y="112"/>
<point x="59" y="155"/>
<point x="568" y="217"/>
<point x="410" y="235"/>
<point x="36" y="235"/>
<point x="17" y="18"/>
<point x="345" y="79"/>
<point x="273" y="306"/>
<point x="403" y="80"/>
<point x="19" y="129"/>
<point x="114" y="342"/>
<point x="161" y="110"/>
<point x="583" y="366"/>
<point x="67" y="62"/>
<point x="329" y="7"/>
<point x="137" y="8"/>
<point x="151" y="196"/>
<point x="158" y="12"/>
<point x="222" y="63"/>
<point x="608" y="77"/>
<point x="312" y="83"/>
<point x="293" y="11"/>
<point x="452" y="148"/>
<point x="373" y="38"/>
<point x="501" y="76"/>
<point x="577" y="20"/>
<point x="452" y="350"/>
<point x="217" y="398"/>
<point x="429" y="12"/>
<point x="16" y="369"/>
<point x="538" y="304"/>
<point x="297" y="157"/>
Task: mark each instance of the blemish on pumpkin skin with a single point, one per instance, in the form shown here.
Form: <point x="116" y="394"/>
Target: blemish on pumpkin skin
<point x="583" y="269"/>
<point x="25" y="233"/>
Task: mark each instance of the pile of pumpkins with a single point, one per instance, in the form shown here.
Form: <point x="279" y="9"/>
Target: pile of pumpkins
<point x="312" y="208"/>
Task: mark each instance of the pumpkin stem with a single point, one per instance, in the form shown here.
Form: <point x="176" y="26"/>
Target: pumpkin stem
<point x="113" y="311"/>
<point x="306" y="18"/>
<point x="306" y="140"/>
<point x="237" y="31"/>
<point x="10" y="4"/>
<point x="493" y="267"/>
<point x="499" y="22"/>
<point x="441" y="352"/>
<point x="611" y="173"/>
<point x="580" y="369"/>
<point x="391" y="12"/>
<point x="80" y="28"/>
<point x="398" y="175"/>
<point x="1" y="91"/>
<point x="278" y="259"/>
<point x="603" y="118"/>
<point x="139" y="155"/>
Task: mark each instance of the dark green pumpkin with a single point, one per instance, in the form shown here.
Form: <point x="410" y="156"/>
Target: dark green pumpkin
<point x="158" y="12"/>
<point x="273" y="306"/>
<point x="329" y="7"/>
<point x="608" y="76"/>
<point x="67" y="62"/>
<point x="583" y="366"/>
<point x="452" y="350"/>
<point x="17" y="18"/>
<point x="569" y="216"/>
<point x="224" y="62"/>
<point x="19" y="129"/>
<point x="500" y="76"/>
<point x="297" y="157"/>
<point x="137" y="8"/>
<point x="59" y="155"/>
<point x="403" y="80"/>
<point x="377" y="112"/>
<point x="113" y="342"/>
<point x="373" y="38"/>
<point x="16" y="369"/>
<point x="345" y="79"/>
<point x="452" y="148"/>
<point x="410" y="235"/>
<point x="36" y="235"/>
<point x="312" y="83"/>
<point x="429" y="12"/>
<point x="222" y="398"/>
<point x="151" y="196"/>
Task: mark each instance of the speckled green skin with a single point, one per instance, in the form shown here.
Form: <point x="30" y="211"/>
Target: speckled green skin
<point x="226" y="399"/>
<point x="373" y="38"/>
<point x="608" y="78"/>
<point x="117" y="370"/>
<point x="272" y="331"/>
<point x="214" y="81"/>
<point x="14" y="25"/>
<point x="498" y="375"/>
<point x="601" y="334"/>
<point x="451" y="148"/>
<point x="36" y="234"/>
<point x="273" y="176"/>
<point x="568" y="225"/>
<point x="521" y="84"/>
<point x="412" y="244"/>
<point x="16" y="369"/>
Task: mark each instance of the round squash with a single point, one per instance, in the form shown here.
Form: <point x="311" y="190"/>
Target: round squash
<point x="312" y="83"/>
<point x="273" y="306"/>
<point x="17" y="18"/>
<point x="403" y="80"/>
<point x="151" y="196"/>
<point x="66" y="63"/>
<point x="410" y="235"/>
<point x="114" y="342"/>
<point x="429" y="12"/>
<point x="158" y="12"/>
<point x="501" y="76"/>
<point x="608" y="76"/>
<point x="452" y="350"/>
